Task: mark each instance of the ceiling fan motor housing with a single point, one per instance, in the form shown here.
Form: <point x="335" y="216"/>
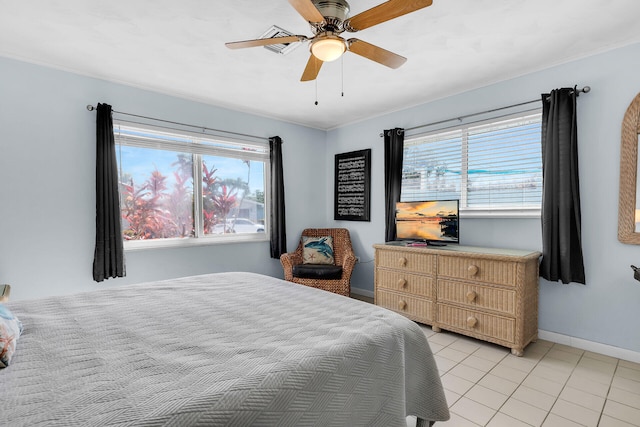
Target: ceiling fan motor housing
<point x="334" y="12"/>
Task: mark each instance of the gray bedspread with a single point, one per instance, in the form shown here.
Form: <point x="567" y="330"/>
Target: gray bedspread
<point x="227" y="349"/>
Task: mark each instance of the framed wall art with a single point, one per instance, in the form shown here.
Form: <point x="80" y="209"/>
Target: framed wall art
<point x="352" y="186"/>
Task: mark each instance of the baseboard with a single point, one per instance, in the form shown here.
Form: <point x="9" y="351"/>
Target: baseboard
<point x="363" y="292"/>
<point x="596" y="347"/>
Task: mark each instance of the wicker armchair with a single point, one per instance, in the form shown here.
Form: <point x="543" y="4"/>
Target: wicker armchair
<point x="343" y="256"/>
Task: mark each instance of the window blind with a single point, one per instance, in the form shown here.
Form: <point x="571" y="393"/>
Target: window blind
<point x="491" y="165"/>
<point x="185" y="143"/>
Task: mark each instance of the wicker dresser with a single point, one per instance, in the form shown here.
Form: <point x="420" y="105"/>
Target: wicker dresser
<point x="485" y="293"/>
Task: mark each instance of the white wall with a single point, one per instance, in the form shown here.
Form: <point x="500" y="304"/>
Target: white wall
<point x="47" y="182"/>
<point x="47" y="199"/>
<point x="606" y="309"/>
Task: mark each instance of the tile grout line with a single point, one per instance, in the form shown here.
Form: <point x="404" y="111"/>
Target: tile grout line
<point x="563" y="388"/>
<point x="544" y="354"/>
<point x="487" y="373"/>
<point x="519" y="385"/>
<point x="607" y="398"/>
<point x="475" y="383"/>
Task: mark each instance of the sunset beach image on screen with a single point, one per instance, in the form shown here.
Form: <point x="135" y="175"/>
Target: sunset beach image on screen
<point x="435" y="221"/>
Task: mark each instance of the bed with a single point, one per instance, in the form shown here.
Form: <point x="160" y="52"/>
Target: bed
<point x="225" y="349"/>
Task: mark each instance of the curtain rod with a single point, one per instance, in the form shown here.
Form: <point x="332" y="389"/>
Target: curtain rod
<point x="203" y="128"/>
<point x="585" y="89"/>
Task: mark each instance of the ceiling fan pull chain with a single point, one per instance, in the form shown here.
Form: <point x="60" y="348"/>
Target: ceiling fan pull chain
<point x="342" y="76"/>
<point x="316" y="81"/>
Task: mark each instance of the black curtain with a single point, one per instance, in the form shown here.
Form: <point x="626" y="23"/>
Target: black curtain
<point x="108" y="260"/>
<point x="561" y="222"/>
<point x="393" y="153"/>
<point x="278" y="220"/>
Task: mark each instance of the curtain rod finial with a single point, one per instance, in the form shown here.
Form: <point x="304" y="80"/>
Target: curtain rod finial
<point x="90" y="107"/>
<point x="585" y="89"/>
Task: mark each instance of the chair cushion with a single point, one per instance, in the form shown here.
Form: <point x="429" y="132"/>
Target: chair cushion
<point x="317" y="250"/>
<point x="317" y="271"/>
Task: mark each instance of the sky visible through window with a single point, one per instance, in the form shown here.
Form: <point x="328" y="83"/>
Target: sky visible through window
<point x="136" y="162"/>
<point x="141" y="161"/>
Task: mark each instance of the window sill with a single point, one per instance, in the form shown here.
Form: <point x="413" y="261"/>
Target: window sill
<point x="500" y="213"/>
<point x="188" y="242"/>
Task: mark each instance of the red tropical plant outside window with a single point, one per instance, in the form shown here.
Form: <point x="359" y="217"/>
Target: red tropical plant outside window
<point x="224" y="202"/>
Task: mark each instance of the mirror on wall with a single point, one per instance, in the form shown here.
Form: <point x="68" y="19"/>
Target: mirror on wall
<point x="629" y="202"/>
<point x="637" y="203"/>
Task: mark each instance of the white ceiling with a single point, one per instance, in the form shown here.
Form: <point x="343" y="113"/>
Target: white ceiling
<point x="177" y="47"/>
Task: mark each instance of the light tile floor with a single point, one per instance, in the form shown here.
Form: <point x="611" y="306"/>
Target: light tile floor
<point x="552" y="385"/>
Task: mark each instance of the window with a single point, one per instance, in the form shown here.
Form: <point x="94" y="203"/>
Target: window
<point x="178" y="188"/>
<point x="493" y="167"/>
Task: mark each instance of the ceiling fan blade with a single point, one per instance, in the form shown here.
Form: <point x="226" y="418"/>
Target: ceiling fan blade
<point x="312" y="69"/>
<point x="375" y="53"/>
<point x="384" y="12"/>
<point x="264" y="42"/>
<point x="307" y="9"/>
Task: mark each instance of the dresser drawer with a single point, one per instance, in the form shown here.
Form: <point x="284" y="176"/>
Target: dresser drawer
<point x="478" y="269"/>
<point x="477" y="296"/>
<point x="473" y="322"/>
<point x="401" y="281"/>
<point x="415" y="308"/>
<point x="406" y="261"/>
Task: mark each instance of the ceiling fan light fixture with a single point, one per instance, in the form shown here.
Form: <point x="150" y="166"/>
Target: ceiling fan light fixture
<point x="328" y="48"/>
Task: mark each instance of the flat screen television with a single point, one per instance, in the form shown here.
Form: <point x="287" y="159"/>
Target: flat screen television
<point x="433" y="222"/>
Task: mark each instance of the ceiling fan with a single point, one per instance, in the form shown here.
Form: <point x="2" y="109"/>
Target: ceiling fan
<point x="328" y="19"/>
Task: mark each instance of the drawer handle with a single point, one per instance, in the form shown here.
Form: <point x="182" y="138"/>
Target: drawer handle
<point x="402" y="283"/>
<point x="472" y="321"/>
<point x="471" y="296"/>
<point x="402" y="304"/>
<point x="402" y="261"/>
<point x="473" y="269"/>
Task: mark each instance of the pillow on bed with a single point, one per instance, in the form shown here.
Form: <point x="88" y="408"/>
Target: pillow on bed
<point x="317" y="250"/>
<point x="10" y="330"/>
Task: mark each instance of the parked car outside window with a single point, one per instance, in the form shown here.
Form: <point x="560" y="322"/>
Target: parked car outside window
<point x="238" y="225"/>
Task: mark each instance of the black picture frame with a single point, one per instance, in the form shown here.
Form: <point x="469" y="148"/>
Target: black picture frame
<point x="352" y="186"/>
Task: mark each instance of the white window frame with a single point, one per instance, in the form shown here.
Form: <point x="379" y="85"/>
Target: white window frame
<point x="198" y="147"/>
<point x="493" y="212"/>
